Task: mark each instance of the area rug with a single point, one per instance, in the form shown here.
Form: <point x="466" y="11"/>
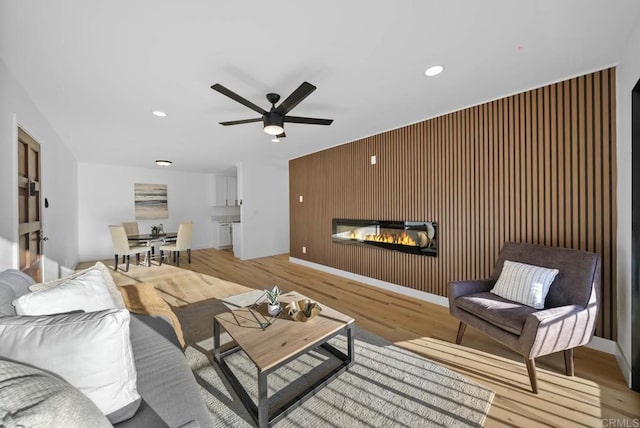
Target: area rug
<point x="386" y="387"/>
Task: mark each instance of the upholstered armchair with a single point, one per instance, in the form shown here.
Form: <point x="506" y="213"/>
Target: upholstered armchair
<point x="567" y="320"/>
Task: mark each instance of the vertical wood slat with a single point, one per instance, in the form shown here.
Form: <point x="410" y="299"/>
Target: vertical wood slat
<point x="534" y="167"/>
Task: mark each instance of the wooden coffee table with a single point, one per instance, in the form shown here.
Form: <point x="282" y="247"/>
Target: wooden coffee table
<point x="276" y="345"/>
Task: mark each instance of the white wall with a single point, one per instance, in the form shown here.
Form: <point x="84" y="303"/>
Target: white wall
<point x="628" y="73"/>
<point x="59" y="181"/>
<point x="106" y="197"/>
<point x="264" y="191"/>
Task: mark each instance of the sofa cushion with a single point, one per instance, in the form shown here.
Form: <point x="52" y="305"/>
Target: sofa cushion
<point x="29" y="397"/>
<point x="524" y="283"/>
<point x="505" y="314"/>
<point x="13" y="284"/>
<point x="165" y="380"/>
<point x="91" y="351"/>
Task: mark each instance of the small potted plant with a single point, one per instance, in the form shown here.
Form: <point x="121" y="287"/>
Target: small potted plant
<point x="273" y="297"/>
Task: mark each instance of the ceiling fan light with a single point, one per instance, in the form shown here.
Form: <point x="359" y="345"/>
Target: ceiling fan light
<point x="273" y="123"/>
<point x="163" y="162"/>
<point x="273" y="129"/>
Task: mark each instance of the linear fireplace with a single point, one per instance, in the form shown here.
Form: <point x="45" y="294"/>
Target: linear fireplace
<point x="415" y="237"/>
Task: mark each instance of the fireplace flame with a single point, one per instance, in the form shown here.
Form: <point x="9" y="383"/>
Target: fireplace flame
<point x="389" y="238"/>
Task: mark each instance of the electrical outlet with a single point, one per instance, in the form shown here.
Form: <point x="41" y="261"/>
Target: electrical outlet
<point x="374" y="160"/>
<point x="300" y="198"/>
<point x="304" y="250"/>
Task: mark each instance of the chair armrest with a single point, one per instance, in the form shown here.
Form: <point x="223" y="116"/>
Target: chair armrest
<point x="552" y="315"/>
<point x="557" y="329"/>
<point x="456" y="289"/>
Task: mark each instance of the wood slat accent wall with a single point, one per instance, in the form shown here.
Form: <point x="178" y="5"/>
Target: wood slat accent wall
<point x="534" y="167"/>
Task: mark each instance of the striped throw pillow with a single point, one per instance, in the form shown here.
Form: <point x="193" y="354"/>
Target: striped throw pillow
<point x="523" y="283"/>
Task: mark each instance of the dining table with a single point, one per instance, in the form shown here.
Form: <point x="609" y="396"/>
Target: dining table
<point x="151" y="240"/>
<point x="148" y="238"/>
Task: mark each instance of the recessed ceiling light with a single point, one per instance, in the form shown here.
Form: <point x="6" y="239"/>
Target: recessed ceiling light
<point x="163" y="162"/>
<point x="275" y="140"/>
<point x="434" y="71"/>
<point x="159" y="113"/>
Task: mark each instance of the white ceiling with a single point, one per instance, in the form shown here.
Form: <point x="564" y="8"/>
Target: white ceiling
<point x="96" y="69"/>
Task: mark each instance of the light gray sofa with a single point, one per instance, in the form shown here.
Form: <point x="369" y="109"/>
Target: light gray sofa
<point x="170" y="394"/>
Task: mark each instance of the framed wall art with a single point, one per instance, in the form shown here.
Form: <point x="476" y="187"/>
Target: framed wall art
<point x="151" y="201"/>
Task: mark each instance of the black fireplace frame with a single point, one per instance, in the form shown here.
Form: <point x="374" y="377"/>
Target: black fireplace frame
<point x="410" y="227"/>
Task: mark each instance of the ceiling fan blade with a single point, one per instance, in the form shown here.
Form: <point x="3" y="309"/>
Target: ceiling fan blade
<point x="296" y="96"/>
<point x="308" y="120"/>
<point x="281" y="135"/>
<point x="239" y="122"/>
<point x="224" y="91"/>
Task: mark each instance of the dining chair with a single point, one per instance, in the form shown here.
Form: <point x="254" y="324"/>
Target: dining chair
<point x="131" y="228"/>
<point x="122" y="248"/>
<point x="182" y="243"/>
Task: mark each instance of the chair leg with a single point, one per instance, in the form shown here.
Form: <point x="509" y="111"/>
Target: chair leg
<point x="568" y="362"/>
<point x="531" y="368"/>
<point x="178" y="258"/>
<point x="461" y="328"/>
<point x="189" y="254"/>
<point x="137" y="258"/>
<point x="161" y="256"/>
<point x="115" y="264"/>
<point x="149" y="258"/>
<point x="128" y="260"/>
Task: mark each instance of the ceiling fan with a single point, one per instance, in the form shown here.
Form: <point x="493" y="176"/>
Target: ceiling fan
<point x="273" y="120"/>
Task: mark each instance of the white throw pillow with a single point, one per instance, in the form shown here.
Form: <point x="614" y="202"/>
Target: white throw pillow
<point x="523" y="283"/>
<point x="87" y="292"/>
<point x="91" y="351"/>
<point x="100" y="267"/>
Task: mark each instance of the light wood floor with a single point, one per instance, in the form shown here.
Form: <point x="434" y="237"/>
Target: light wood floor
<point x="597" y="392"/>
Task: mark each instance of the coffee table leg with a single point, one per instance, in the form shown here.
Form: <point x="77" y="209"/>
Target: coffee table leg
<point x="216" y="340"/>
<point x="263" y="402"/>
<point x="350" y="344"/>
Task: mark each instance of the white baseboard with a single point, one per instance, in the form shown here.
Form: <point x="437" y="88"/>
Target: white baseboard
<point x="624" y="365"/>
<point x="597" y="343"/>
<point x="603" y="345"/>
<point x="431" y="298"/>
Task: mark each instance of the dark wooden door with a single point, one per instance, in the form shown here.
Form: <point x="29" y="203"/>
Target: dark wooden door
<point x="29" y="211"/>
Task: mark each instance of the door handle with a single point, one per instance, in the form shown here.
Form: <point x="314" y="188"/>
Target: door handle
<point x="31" y="188"/>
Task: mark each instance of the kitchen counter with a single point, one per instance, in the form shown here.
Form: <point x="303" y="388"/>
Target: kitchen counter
<point x="226" y="218"/>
